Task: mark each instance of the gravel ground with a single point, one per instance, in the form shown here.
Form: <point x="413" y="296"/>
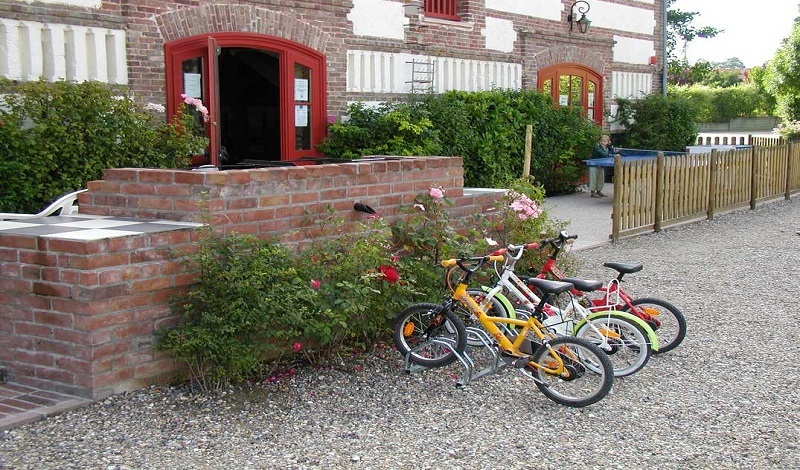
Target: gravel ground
<point x="728" y="397"/>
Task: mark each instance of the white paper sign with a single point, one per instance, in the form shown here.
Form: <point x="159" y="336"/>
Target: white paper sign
<point x="301" y="115"/>
<point x="300" y="89"/>
<point x="191" y="84"/>
<point x="563" y="100"/>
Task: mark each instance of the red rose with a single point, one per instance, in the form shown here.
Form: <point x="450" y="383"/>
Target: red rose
<point x="389" y="273"/>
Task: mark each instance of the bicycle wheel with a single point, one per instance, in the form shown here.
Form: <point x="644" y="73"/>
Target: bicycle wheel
<point x="626" y="343"/>
<point x="666" y="320"/>
<point x="428" y="334"/>
<point x="587" y="377"/>
<point x="494" y="309"/>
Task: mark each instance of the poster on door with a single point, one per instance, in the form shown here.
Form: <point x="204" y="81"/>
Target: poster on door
<point x="300" y="89"/>
<point x="563" y="100"/>
<point x="192" y="85"/>
<point x="301" y="115"/>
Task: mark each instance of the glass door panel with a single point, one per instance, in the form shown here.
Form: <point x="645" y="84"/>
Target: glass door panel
<point x="302" y="107"/>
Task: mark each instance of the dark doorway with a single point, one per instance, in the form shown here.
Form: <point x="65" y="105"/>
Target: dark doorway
<point x="249" y="98"/>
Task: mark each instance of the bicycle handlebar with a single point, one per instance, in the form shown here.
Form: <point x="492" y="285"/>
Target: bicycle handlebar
<point x="477" y="261"/>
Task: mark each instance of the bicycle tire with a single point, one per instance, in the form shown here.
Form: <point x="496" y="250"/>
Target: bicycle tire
<point x="591" y="372"/>
<point x="629" y="353"/>
<point x="672" y="329"/>
<point x="417" y="325"/>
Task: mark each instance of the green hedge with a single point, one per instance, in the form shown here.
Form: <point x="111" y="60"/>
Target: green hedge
<point x="55" y="137"/>
<point x="724" y="104"/>
<point x="487" y="129"/>
<point x="657" y="122"/>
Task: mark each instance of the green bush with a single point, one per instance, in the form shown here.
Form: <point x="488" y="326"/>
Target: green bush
<point x="55" y="137"/>
<point x="658" y="122"/>
<point x="389" y="129"/>
<point x="487" y="129"/>
<point x="724" y="104"/>
<point x="256" y="301"/>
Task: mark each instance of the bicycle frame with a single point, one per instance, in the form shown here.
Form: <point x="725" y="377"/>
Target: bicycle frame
<point x="518" y="289"/>
<point x="614" y="298"/>
<point x="490" y="323"/>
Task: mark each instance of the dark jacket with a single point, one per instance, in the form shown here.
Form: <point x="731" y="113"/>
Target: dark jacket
<point x="600" y="152"/>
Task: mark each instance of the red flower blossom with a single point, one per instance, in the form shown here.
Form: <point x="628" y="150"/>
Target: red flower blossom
<point x="296" y="347"/>
<point x="389" y="273"/>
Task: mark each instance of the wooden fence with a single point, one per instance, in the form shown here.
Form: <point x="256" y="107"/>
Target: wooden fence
<point x="740" y="139"/>
<point x="650" y="194"/>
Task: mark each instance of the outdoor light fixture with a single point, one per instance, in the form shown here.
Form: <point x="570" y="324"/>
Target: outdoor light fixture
<point x="582" y="21"/>
<point x="412" y="8"/>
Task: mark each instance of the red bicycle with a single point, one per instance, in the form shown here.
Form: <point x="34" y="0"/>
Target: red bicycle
<point x="664" y="318"/>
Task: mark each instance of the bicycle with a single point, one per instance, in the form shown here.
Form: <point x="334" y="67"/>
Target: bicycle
<point x="665" y="319"/>
<point x="625" y="338"/>
<point x="570" y="371"/>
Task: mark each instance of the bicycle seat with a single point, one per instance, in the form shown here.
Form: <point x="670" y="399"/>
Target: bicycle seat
<point x="549" y="287"/>
<point x="625" y="268"/>
<point x="585" y="285"/>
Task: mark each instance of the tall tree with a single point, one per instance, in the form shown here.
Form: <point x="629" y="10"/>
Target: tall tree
<point x="783" y="75"/>
<point x="680" y="27"/>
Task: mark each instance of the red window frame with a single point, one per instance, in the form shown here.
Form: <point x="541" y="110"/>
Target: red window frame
<point x="444" y="9"/>
<point x="289" y="53"/>
<point x="593" y="103"/>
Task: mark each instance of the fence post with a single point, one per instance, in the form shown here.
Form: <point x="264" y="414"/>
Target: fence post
<point x="753" y="178"/>
<point x="526" y="170"/>
<point x="712" y="185"/>
<point x="659" y="209"/>
<point x="789" y="153"/>
<point x="616" y="212"/>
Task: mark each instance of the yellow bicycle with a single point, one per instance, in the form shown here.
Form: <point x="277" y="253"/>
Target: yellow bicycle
<point x="570" y="371"/>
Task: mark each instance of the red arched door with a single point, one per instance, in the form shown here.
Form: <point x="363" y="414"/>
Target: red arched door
<point x="574" y="85"/>
<point x="266" y="96"/>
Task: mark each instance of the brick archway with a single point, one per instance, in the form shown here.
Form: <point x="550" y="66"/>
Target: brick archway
<point x="219" y="18"/>
<point x="568" y="54"/>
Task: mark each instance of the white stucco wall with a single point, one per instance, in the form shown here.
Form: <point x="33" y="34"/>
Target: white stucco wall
<point x="547" y="9"/>
<point x="622" y="17"/>
<point x="499" y="34"/>
<point x="378" y="18"/>
<point x="633" y="51"/>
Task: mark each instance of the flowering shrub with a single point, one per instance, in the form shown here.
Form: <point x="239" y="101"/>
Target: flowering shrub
<point x="426" y="232"/>
<point x="789" y="130"/>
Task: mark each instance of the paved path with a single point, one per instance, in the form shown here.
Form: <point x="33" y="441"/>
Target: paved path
<point x="586" y="216"/>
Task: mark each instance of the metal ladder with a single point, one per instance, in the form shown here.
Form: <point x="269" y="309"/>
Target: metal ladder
<point x="422" y="73"/>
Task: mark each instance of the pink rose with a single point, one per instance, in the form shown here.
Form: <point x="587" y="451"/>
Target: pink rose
<point x="436" y="193"/>
<point x="315" y="283"/>
<point x="297" y="346"/>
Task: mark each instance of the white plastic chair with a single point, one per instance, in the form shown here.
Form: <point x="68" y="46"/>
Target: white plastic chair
<point x="65" y="205"/>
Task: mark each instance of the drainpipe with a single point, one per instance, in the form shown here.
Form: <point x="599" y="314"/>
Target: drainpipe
<point x="664" y="47"/>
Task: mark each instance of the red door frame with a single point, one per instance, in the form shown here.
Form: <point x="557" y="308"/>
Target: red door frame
<point x="555" y="71"/>
<point x="289" y="52"/>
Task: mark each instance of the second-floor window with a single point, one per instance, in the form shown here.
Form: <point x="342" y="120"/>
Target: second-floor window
<point x="444" y="9"/>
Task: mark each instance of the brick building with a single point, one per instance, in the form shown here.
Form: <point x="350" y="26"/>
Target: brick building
<point x="274" y="72"/>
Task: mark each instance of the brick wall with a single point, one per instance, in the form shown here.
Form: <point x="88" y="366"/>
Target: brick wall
<point x="79" y="316"/>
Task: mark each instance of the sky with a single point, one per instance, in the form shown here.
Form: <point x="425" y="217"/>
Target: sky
<point x="753" y="29"/>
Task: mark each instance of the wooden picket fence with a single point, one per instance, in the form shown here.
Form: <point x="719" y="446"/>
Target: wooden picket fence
<point x="650" y="194"/>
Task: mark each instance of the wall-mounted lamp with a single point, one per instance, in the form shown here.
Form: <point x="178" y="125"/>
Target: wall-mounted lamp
<point x="582" y="21"/>
<point x="413" y="8"/>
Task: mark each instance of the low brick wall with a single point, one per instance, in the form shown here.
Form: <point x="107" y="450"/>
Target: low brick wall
<point x="79" y="316"/>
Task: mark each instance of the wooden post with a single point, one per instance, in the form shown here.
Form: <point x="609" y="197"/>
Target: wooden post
<point x="712" y="185"/>
<point x="789" y="153"/>
<point x="659" y="199"/>
<point x="526" y="169"/>
<point x="753" y="178"/>
<point x="616" y="211"/>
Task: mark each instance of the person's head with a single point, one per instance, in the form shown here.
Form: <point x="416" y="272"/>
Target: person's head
<point x="605" y="140"/>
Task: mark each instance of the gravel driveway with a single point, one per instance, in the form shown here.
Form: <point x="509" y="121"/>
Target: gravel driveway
<point x="728" y="397"/>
